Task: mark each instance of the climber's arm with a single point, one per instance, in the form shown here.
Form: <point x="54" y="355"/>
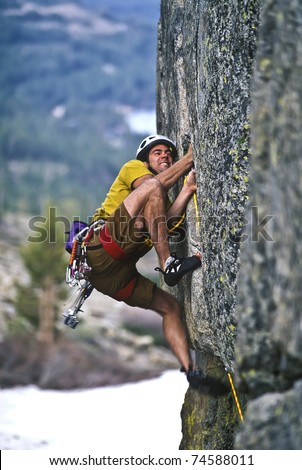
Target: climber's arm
<point x="178" y="207"/>
<point x="170" y="176"/>
<point x="136" y="183"/>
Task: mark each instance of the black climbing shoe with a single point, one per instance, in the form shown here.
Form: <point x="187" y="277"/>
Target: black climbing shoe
<point x="205" y="384"/>
<point x="178" y="267"/>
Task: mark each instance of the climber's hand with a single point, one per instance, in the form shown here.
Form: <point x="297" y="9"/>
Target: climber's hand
<point x="191" y="181"/>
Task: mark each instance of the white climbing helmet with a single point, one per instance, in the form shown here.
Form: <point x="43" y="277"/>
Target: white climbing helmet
<point x="150" y="141"/>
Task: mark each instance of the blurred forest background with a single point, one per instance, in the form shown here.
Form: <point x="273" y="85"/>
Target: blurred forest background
<point x="77" y="95"/>
<point x="72" y="76"/>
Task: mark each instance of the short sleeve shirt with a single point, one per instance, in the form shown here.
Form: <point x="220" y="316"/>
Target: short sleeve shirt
<point x="121" y="187"/>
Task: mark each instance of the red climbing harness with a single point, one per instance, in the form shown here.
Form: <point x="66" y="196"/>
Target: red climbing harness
<point x="110" y="245"/>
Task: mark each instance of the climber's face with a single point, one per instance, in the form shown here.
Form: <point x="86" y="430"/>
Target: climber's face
<point x="160" y="158"/>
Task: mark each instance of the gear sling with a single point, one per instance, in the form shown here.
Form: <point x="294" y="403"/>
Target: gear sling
<point x="78" y="270"/>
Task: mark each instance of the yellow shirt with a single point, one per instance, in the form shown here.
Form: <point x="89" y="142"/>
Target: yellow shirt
<point x="121" y="187"/>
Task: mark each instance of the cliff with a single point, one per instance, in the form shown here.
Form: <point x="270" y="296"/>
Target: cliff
<point x="228" y="81"/>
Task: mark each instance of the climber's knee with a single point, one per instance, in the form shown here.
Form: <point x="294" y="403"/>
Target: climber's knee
<point x="165" y="304"/>
<point x="150" y="193"/>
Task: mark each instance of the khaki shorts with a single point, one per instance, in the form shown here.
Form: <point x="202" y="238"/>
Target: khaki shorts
<point x="109" y="275"/>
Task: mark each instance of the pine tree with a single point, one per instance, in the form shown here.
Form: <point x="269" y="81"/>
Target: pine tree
<point x="44" y="258"/>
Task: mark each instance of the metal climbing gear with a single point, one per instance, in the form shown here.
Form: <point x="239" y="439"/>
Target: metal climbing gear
<point x="78" y="270"/>
<point x="76" y="245"/>
<point x="70" y="315"/>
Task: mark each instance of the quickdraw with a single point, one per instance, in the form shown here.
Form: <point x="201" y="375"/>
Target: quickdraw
<point x="71" y="318"/>
<point x="78" y="270"/>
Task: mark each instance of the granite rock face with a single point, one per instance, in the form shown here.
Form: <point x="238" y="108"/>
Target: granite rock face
<point x="269" y="346"/>
<point x="228" y="82"/>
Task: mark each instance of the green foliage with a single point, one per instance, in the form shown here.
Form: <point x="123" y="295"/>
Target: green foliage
<point x="44" y="258"/>
<point x="27" y="305"/>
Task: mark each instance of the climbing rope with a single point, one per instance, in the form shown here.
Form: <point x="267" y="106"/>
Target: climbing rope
<point x="235" y="397"/>
<point x="196" y="213"/>
<point x="229" y="375"/>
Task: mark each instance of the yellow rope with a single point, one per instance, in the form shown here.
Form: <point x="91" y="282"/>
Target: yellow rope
<point x="196" y="212"/>
<point x="178" y="223"/>
<point x="229" y="375"/>
<point x="183" y="216"/>
<point x="236" y="397"/>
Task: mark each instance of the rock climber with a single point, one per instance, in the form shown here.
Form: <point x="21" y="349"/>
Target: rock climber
<point x="138" y="215"/>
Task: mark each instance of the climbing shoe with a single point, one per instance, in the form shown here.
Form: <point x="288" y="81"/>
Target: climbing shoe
<point x="176" y="268"/>
<point x="205" y="384"/>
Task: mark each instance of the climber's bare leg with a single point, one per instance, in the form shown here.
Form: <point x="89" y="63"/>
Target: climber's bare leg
<point x="168" y="307"/>
<point x="147" y="203"/>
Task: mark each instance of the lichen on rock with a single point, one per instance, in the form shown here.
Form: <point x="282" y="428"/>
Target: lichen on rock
<point x="242" y="113"/>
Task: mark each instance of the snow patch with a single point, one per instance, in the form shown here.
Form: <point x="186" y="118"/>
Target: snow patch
<point x="144" y="417"/>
